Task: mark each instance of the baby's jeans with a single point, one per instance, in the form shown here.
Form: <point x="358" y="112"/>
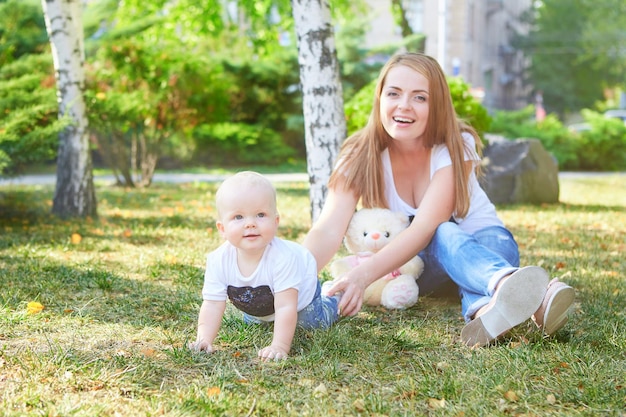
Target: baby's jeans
<point x="474" y="262"/>
<point x="322" y="312"/>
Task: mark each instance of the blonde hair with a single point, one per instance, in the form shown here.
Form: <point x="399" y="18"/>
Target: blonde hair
<point x="360" y="161"/>
<point x="238" y="183"/>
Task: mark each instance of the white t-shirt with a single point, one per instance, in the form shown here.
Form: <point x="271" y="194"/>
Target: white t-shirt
<point x="284" y="265"/>
<point x="481" y="213"/>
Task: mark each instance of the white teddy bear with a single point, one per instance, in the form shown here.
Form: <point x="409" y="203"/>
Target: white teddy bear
<point x="369" y="231"/>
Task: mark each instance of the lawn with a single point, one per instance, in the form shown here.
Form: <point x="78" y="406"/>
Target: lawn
<point x="120" y="298"/>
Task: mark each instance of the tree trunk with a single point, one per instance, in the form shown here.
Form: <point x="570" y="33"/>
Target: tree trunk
<point x="74" y="195"/>
<point x="322" y="101"/>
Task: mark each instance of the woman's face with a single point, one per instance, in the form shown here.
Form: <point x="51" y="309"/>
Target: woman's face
<point x="404" y="103"/>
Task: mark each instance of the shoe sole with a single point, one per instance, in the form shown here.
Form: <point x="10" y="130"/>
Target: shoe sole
<point x="556" y="314"/>
<point x="515" y="301"/>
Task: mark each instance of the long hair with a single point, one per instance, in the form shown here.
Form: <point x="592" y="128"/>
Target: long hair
<point x="360" y="161"/>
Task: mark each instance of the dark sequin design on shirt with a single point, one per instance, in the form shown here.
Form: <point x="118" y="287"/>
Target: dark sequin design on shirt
<point x="258" y="302"/>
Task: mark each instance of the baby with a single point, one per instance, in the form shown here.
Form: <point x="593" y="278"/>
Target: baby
<point x="269" y="279"/>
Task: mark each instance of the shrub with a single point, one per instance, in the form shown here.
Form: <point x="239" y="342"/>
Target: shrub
<point x="29" y="124"/>
<point x="467" y="107"/>
<point x="553" y="135"/>
<point x="603" y="146"/>
<point x="236" y="143"/>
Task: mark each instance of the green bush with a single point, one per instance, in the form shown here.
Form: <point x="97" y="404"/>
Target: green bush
<point x="467" y="107"/>
<point x="29" y="124"/>
<point x="358" y="108"/>
<point x="555" y="137"/>
<point x="603" y="146"/>
<point x="229" y="144"/>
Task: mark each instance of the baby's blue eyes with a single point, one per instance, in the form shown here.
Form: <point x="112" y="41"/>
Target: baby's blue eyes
<point x="240" y="217"/>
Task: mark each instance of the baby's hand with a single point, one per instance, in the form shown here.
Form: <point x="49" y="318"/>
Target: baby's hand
<point x="272" y="353"/>
<point x="201" y="346"/>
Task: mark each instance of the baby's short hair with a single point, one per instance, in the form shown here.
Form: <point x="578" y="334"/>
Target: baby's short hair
<point x="245" y="179"/>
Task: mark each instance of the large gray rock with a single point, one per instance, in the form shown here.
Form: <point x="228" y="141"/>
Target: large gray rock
<point x="519" y="171"/>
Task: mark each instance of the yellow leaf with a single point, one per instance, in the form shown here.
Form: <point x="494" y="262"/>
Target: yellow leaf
<point x="148" y="352"/>
<point x="127" y="233"/>
<point x="435" y="404"/>
<point x="34" y="307"/>
<point x="213" y="391"/>
<point x="320" y="390"/>
<point x="511" y="396"/>
<point x="359" y="405"/>
<point x="76" y="238"/>
<point x="551" y="399"/>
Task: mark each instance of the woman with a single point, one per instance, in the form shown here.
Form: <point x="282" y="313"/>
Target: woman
<point x="414" y="156"/>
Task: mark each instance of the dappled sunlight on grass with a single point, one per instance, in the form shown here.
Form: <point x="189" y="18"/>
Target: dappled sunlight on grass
<point x="95" y="317"/>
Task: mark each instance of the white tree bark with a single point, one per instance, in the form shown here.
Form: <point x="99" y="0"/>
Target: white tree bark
<point x="74" y="195"/>
<point x="324" y="118"/>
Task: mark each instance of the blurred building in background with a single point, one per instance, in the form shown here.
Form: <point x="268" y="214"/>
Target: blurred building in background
<point x="469" y="38"/>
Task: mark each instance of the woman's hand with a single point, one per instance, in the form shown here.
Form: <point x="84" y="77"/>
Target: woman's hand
<point x="351" y="290"/>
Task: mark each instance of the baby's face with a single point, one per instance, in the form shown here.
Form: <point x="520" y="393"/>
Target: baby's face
<point x="248" y="220"/>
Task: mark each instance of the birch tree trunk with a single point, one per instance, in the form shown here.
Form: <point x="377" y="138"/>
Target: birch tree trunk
<point x="322" y="101"/>
<point x="74" y="195"/>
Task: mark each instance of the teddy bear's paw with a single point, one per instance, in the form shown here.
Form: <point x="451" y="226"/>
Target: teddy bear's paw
<point x="400" y="295"/>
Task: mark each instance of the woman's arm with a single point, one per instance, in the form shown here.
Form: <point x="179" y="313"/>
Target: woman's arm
<point x="326" y="236"/>
<point x="435" y="208"/>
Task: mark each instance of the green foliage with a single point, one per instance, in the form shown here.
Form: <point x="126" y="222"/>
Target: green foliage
<point x="29" y="123"/>
<point x="551" y="132"/>
<point x="263" y="90"/>
<point x="141" y="96"/>
<point x="358" y="65"/>
<point x="603" y="147"/>
<point x="236" y="143"/>
<point x="467" y="107"/>
<point x="359" y="107"/>
<point x="574" y="51"/>
<point x="22" y="29"/>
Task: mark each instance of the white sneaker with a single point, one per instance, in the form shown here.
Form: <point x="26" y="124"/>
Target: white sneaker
<point x="515" y="300"/>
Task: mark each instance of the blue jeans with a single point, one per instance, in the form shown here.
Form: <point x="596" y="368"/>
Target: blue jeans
<point x="474" y="262"/>
<point x="322" y="312"/>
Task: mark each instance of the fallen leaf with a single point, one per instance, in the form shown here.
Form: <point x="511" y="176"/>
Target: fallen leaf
<point x="213" y="391"/>
<point x="435" y="404"/>
<point x="127" y="233"/>
<point x="359" y="405"/>
<point x="34" y="307"/>
<point x="76" y="238"/>
<point x="551" y="399"/>
<point x="511" y="396"/>
<point x="148" y="352"/>
<point x="442" y="366"/>
<point x="320" y="390"/>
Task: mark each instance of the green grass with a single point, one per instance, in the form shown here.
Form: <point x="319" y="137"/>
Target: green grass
<point x="121" y="305"/>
